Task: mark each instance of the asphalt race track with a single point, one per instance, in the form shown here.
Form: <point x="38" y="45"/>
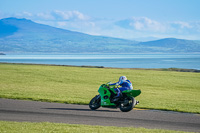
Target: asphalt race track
<point x="19" y="110"/>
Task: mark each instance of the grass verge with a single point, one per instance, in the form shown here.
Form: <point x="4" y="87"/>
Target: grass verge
<point x="165" y="90"/>
<point x="46" y="127"/>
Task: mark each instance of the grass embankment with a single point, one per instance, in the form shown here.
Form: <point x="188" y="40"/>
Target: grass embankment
<point x="166" y="90"/>
<point x="46" y="127"/>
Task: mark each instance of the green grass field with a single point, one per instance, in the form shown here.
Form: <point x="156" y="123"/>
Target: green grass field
<point x="165" y="90"/>
<point x="46" y="127"/>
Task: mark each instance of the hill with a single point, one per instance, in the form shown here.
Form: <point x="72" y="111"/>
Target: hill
<point x="172" y="45"/>
<point x="24" y="36"/>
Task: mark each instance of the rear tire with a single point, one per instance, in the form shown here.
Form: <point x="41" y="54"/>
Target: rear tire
<point x="128" y="104"/>
<point x="95" y="103"/>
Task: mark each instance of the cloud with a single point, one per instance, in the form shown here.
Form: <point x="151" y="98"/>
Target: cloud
<point x="24" y="14"/>
<point x="141" y="24"/>
<point x="181" y="27"/>
<point x="45" y="16"/>
<point x="144" y="24"/>
<point x="68" y="15"/>
<point x="182" y="24"/>
<point x="55" y="15"/>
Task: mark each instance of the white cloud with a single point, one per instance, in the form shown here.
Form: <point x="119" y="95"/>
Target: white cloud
<point x="183" y="24"/>
<point x="137" y="25"/>
<point x="145" y="27"/>
<point x="55" y="15"/>
<point x="45" y="16"/>
<point x="142" y="24"/>
<point x="68" y="15"/>
<point x="24" y="15"/>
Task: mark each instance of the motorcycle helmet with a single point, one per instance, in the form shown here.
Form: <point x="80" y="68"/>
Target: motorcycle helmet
<point x="122" y="79"/>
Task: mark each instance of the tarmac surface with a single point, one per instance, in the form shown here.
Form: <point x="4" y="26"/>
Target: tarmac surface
<point x="32" y="111"/>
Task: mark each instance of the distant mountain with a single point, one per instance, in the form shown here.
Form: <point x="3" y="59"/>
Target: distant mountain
<point x="24" y="36"/>
<point x="171" y="45"/>
<point x="2" y="54"/>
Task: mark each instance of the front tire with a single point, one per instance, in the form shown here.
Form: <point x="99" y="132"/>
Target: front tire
<point x="128" y="104"/>
<point x="95" y="103"/>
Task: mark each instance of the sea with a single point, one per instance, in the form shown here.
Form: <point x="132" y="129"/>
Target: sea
<point x="185" y="61"/>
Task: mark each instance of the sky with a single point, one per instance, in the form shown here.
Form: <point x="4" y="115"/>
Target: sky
<point x="141" y="20"/>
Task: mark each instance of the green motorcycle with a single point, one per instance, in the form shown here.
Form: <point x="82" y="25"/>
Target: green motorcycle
<point x="105" y="98"/>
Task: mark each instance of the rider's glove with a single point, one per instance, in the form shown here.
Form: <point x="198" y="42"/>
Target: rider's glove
<point x="107" y="85"/>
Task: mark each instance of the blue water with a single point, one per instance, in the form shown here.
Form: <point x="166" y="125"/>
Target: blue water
<point x="188" y="61"/>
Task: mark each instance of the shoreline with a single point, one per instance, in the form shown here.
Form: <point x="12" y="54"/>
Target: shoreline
<point x="84" y="66"/>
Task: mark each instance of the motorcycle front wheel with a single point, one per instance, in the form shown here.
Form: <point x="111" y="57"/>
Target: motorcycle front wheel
<point x="127" y="105"/>
<point x="95" y="103"/>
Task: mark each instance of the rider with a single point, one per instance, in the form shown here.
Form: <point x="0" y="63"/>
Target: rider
<point x="125" y="85"/>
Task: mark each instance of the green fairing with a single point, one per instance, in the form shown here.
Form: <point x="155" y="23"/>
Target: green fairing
<point x="105" y="95"/>
<point x="133" y="93"/>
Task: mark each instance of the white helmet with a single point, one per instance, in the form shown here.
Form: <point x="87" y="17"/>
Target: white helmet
<point x="122" y="79"/>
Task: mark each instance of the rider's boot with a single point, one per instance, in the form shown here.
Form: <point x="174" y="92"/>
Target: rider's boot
<point x="117" y="97"/>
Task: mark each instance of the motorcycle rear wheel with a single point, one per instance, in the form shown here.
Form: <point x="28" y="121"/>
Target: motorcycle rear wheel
<point x="128" y="104"/>
<point x="95" y="103"/>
